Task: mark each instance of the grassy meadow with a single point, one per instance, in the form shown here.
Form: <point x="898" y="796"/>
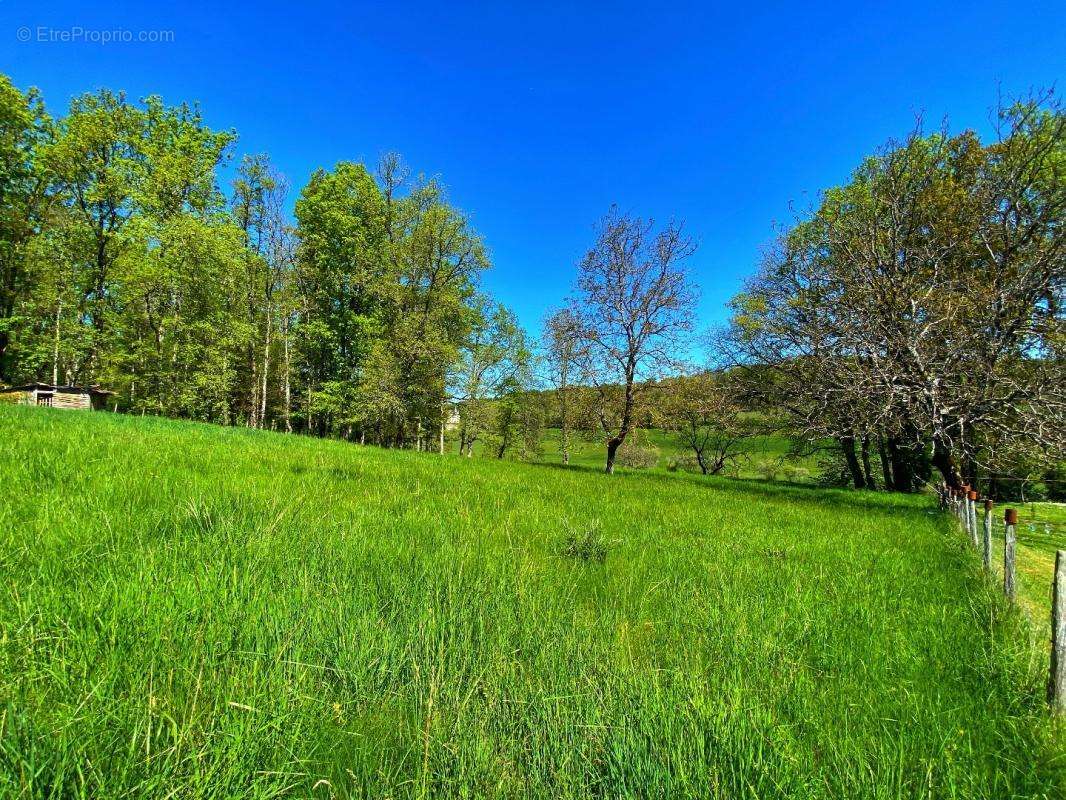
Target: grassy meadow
<point x="761" y="457"/>
<point x="189" y="611"/>
<point x="1041" y="530"/>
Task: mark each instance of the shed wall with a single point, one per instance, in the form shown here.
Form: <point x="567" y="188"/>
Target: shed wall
<point x="71" y="400"/>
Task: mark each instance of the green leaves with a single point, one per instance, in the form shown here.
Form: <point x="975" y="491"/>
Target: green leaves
<point x="124" y="263"/>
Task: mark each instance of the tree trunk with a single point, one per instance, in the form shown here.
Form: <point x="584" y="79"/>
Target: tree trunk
<point x="886" y="465"/>
<point x="902" y="469"/>
<point x="627" y="418"/>
<point x="701" y="462"/>
<point x="288" y="381"/>
<point x="564" y="425"/>
<point x="847" y="445"/>
<point x="253" y="388"/>
<point x="55" y="348"/>
<point x="266" y="372"/>
<point x="944" y="461"/>
<point x="871" y="482"/>
<point x="612" y="451"/>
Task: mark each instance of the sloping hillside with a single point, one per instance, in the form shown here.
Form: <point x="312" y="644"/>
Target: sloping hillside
<point x="194" y="611"/>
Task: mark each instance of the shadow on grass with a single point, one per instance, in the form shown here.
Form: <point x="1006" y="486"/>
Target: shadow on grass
<point x="815" y="496"/>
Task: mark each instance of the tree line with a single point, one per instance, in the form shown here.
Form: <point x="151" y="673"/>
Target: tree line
<point x="913" y="318"/>
<point x="125" y="263"/>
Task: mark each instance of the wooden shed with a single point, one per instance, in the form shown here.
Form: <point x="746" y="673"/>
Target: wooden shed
<point x="81" y="398"/>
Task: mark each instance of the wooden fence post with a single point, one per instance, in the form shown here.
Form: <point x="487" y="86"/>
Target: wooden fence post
<point x="1056" y="687"/>
<point x="971" y="521"/>
<point x="1011" y="519"/>
<point x="966" y="510"/>
<point x="988" y="535"/>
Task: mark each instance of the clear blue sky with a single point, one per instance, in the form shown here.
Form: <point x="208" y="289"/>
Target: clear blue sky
<point x="538" y="117"/>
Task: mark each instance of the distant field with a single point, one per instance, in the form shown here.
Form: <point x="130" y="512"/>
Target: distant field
<point x="761" y="456"/>
<point x="1041" y="530"/>
<point x="190" y="611"/>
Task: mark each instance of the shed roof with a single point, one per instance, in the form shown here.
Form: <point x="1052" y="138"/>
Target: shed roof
<point x="48" y="387"/>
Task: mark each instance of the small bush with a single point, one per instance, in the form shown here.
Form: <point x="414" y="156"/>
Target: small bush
<point x="795" y="474"/>
<point x="833" y="471"/>
<point x="769" y="470"/>
<point x="638" y="456"/>
<point x="683" y="464"/>
<point x="587" y="544"/>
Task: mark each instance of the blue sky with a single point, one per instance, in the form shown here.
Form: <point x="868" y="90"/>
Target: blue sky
<point x="539" y="116"/>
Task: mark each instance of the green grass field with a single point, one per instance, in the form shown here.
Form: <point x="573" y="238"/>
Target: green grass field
<point x="760" y="456"/>
<point x="1041" y="530"/>
<point x="190" y="611"/>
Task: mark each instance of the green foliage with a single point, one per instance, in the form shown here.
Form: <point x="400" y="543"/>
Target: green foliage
<point x="920" y="305"/>
<point x="637" y="455"/>
<point x="125" y="264"/>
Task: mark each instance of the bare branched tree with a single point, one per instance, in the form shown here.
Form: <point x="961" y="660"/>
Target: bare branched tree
<point x="635" y="305"/>
<point x="563" y="355"/>
<point x="921" y="305"/>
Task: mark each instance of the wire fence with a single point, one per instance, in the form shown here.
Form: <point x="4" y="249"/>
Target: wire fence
<point x="963" y="503"/>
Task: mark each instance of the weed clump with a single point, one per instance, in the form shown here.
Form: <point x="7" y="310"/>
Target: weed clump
<point x="586" y="544"/>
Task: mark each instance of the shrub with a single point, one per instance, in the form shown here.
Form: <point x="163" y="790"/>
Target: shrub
<point x="587" y="544"/>
<point x="683" y="464"/>
<point x="769" y="470"/>
<point x="833" y="471"/>
<point x="795" y="473"/>
<point x="637" y="456"/>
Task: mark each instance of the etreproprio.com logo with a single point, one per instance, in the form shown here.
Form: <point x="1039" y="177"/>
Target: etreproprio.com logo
<point x="76" y="34"/>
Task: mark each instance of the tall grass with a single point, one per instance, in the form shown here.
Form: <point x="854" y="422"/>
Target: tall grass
<point x="190" y="611"/>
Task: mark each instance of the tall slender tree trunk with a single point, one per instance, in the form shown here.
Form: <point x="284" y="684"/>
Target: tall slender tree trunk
<point x="886" y="465"/>
<point x="253" y="389"/>
<point x="868" y="474"/>
<point x="564" y="424"/>
<point x="102" y="263"/>
<point x="847" y="446"/>
<point x="55" y="345"/>
<point x="288" y="380"/>
<point x="266" y="371"/>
